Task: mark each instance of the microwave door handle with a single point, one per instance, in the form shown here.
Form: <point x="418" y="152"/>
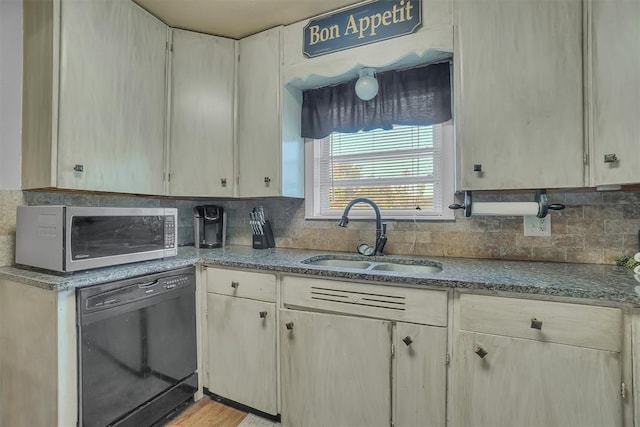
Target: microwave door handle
<point x="147" y="284"/>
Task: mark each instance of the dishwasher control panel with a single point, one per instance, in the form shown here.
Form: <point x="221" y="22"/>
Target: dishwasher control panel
<point x="129" y="291"/>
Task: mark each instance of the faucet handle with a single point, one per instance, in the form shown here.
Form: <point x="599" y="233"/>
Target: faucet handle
<point x="380" y="243"/>
<point x="384" y="228"/>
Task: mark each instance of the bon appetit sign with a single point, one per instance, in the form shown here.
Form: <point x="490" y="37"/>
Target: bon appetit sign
<point x="360" y="25"/>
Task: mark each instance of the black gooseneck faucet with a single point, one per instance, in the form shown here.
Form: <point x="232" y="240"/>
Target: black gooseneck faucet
<point x="381" y="229"/>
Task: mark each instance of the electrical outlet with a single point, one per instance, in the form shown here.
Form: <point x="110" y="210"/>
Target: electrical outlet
<point x="534" y="226"/>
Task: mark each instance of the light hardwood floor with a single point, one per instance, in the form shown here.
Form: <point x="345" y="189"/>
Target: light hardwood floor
<point x="208" y="413"/>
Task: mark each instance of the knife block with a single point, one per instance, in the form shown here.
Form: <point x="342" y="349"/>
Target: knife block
<point x="268" y="232"/>
<point x="260" y="241"/>
<point x="266" y="240"/>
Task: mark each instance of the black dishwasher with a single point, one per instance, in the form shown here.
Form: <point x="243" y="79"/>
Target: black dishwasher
<point x="136" y="349"/>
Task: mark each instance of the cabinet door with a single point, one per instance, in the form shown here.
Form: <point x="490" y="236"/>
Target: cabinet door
<point x="532" y="383"/>
<point x="615" y="89"/>
<point x="112" y="97"/>
<point x="201" y="111"/>
<point x="420" y="375"/>
<point x="335" y="370"/>
<point x="259" y="123"/>
<point x="518" y="88"/>
<point x="242" y="351"/>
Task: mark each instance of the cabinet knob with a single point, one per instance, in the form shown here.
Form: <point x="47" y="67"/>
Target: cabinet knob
<point x="223" y="182"/>
<point x="289" y="325"/>
<point x="481" y="352"/>
<point x="263" y="314"/>
<point x="78" y="168"/>
<point x="610" y="158"/>
<point x="407" y="340"/>
<point x="235" y="284"/>
<point x="477" y="168"/>
<point x="536" y="324"/>
<point x="267" y="180"/>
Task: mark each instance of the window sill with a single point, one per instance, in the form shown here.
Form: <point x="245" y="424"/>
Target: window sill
<point x="352" y="217"/>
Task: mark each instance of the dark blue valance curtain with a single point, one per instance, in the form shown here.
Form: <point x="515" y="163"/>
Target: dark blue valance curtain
<point x="418" y="96"/>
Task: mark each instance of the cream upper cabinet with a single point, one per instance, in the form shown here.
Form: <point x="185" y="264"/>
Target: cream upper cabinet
<point x="271" y="163"/>
<point x="259" y="127"/>
<point x="533" y="363"/>
<point x="201" y="115"/>
<point x="518" y="94"/>
<point x="614" y="84"/>
<point x="94" y="98"/>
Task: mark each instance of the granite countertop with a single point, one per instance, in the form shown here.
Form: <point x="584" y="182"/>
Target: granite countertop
<point x="59" y="281"/>
<point x="606" y="283"/>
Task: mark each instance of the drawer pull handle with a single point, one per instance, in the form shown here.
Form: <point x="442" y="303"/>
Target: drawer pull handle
<point x="407" y="340"/>
<point x="235" y="284"/>
<point x="536" y="324"/>
<point x="263" y="314"/>
<point x="289" y="325"/>
<point x="481" y="352"/>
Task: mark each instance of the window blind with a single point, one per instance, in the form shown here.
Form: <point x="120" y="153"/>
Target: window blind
<point x="399" y="169"/>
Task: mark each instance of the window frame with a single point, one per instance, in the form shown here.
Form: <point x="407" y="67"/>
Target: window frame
<point x="448" y="162"/>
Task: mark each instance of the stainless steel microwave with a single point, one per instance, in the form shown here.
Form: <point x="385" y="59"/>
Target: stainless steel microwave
<point x="72" y="238"/>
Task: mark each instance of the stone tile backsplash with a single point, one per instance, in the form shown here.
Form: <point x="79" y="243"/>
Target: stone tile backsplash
<point x="9" y="200"/>
<point x="594" y="228"/>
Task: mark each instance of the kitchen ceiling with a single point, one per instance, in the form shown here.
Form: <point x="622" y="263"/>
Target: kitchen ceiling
<point x="237" y="18"/>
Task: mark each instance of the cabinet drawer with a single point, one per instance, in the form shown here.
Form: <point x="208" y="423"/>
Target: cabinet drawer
<point x="564" y="323"/>
<point x="387" y="302"/>
<point x="244" y="284"/>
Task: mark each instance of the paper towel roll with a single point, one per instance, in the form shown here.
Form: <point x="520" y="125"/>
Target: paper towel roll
<point x="637" y="257"/>
<point x="637" y="277"/>
<point x="504" y="208"/>
<point x="637" y="269"/>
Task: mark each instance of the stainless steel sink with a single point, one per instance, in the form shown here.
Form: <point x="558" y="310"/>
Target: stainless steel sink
<point x="407" y="268"/>
<point x="376" y="264"/>
<point x="341" y="263"/>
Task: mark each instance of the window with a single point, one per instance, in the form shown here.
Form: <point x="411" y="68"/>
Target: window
<point x="407" y="171"/>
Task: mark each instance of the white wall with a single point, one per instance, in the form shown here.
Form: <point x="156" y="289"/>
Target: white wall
<point x="10" y="93"/>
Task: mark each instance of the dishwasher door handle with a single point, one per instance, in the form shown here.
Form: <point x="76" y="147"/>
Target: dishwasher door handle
<point x="147" y="284"/>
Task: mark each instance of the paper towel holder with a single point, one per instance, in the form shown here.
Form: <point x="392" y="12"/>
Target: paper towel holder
<point x="541" y="199"/>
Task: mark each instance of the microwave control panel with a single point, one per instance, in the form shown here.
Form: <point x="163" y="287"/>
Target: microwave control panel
<point x="169" y="232"/>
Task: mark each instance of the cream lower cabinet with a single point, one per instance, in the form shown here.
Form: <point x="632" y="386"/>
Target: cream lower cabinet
<point x="420" y="375"/>
<point x="38" y="356"/>
<point x="507" y="372"/>
<point x="356" y="354"/>
<point x="335" y="370"/>
<point x="241" y="362"/>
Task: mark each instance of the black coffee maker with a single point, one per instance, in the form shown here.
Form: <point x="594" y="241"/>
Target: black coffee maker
<point x="209" y="226"/>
